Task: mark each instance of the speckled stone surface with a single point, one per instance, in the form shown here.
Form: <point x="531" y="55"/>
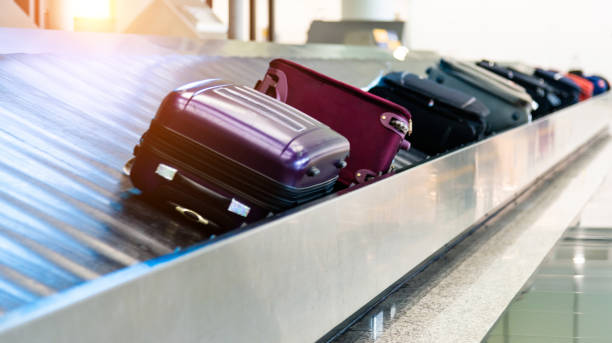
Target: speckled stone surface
<point x="459" y="297"/>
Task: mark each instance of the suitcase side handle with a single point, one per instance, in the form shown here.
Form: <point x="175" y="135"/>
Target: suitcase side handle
<point x="274" y="84"/>
<point x="182" y="183"/>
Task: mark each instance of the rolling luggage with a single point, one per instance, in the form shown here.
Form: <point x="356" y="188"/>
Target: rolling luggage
<point x="375" y="127"/>
<point x="586" y="87"/>
<point x="446" y="118"/>
<point x="227" y="155"/>
<point x="600" y="84"/>
<point x="509" y="104"/>
<point x="542" y="93"/>
<point x="567" y="90"/>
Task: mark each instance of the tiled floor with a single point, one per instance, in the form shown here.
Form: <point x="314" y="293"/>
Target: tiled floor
<point x="569" y="298"/>
<point x="458" y="298"/>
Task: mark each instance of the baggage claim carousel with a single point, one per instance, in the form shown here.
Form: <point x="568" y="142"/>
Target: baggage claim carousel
<point x="84" y="259"/>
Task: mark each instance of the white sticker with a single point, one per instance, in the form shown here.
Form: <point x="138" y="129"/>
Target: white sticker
<point x="238" y="208"/>
<point x="165" y="171"/>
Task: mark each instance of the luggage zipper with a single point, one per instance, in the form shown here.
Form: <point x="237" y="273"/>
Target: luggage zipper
<point x="187" y="167"/>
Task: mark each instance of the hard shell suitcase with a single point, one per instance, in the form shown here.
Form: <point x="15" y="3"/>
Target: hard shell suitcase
<point x="542" y="93"/>
<point x="446" y="118"/>
<point x="229" y="155"/>
<point x="567" y="90"/>
<point x="586" y="86"/>
<point x="509" y="104"/>
<point x="375" y="127"/>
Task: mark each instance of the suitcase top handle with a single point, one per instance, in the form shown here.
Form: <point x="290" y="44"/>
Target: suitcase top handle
<point x="274" y="84"/>
<point x="438" y="93"/>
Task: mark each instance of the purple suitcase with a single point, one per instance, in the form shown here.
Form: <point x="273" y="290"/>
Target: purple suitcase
<point x="227" y="154"/>
<point x="376" y="127"/>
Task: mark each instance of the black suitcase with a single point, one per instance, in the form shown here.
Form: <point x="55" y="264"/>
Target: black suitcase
<point x="444" y="118"/>
<point x="541" y="92"/>
<point x="405" y="159"/>
<point x="568" y="90"/>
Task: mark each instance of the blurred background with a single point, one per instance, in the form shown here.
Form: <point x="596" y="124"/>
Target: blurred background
<point x="559" y="34"/>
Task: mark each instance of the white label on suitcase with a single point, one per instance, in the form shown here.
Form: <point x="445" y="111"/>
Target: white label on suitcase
<point x="238" y="208"/>
<point x="165" y="171"/>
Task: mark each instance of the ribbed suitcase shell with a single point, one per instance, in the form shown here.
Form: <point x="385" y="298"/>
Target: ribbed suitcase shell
<point x="366" y="120"/>
<point x="231" y="142"/>
<point x="446" y="118"/>
<point x="509" y="104"/>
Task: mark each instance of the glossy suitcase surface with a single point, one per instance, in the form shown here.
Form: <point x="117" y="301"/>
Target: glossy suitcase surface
<point x="375" y="127"/>
<point x="229" y="154"/>
<point x="541" y="92"/>
<point x="567" y="90"/>
<point x="586" y="86"/>
<point x="509" y="104"/>
<point x="446" y="118"/>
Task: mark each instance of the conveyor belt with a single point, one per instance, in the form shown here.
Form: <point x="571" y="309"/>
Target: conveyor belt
<point x="69" y="123"/>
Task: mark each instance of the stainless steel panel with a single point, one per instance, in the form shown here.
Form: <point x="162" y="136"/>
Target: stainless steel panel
<point x="294" y="278"/>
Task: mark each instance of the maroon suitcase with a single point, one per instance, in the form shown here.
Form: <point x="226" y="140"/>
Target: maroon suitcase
<point x="375" y="127"/>
<point x="229" y="155"/>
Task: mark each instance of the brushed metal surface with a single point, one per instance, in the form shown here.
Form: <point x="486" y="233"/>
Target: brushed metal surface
<point x="294" y="278"/>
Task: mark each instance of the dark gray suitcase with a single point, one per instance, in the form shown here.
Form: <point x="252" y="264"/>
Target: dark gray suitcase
<point x="509" y="103"/>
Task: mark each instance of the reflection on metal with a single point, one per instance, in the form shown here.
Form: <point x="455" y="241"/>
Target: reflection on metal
<point x="568" y="296"/>
<point x="377" y="324"/>
<point x="317" y="265"/>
